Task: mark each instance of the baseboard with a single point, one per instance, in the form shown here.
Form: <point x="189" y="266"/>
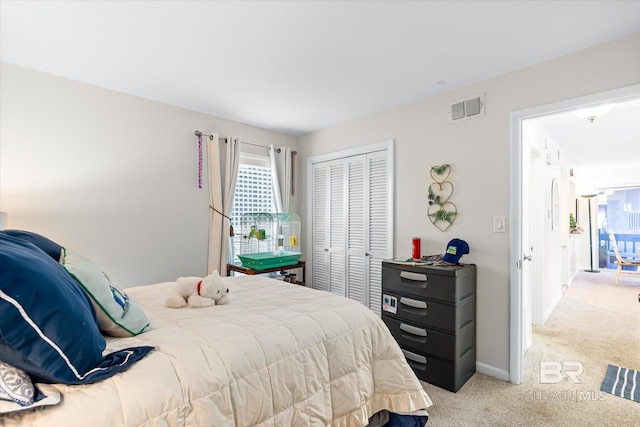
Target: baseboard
<point x="492" y="371"/>
<point x="547" y="315"/>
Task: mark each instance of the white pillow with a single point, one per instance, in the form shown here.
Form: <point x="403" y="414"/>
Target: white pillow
<point x="49" y="396"/>
<point x="118" y="314"/>
<point x="15" y="385"/>
<point x="18" y="393"/>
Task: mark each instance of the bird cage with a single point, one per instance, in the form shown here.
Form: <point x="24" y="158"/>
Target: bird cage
<point x="271" y="238"/>
<point x="287" y="228"/>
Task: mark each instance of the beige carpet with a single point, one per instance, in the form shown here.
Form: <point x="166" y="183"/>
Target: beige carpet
<point x="596" y="323"/>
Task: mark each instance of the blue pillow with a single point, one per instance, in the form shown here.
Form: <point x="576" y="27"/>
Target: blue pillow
<point x="50" y="247"/>
<point x="48" y="326"/>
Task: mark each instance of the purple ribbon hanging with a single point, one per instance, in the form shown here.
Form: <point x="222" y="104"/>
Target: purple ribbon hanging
<point x="199" y="161"/>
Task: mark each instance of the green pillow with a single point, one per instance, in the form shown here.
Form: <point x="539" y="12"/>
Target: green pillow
<point x="118" y="315"/>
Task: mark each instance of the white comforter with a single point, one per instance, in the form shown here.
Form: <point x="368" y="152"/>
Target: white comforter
<point x="276" y="355"/>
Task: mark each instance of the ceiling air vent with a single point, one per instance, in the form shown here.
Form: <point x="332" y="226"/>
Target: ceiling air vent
<point x="466" y="108"/>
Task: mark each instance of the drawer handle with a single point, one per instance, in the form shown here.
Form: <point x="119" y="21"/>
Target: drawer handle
<point x="416" y="277"/>
<point x="414" y="357"/>
<point x="413" y="330"/>
<point x="413" y="302"/>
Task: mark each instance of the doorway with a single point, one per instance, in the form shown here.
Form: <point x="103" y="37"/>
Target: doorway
<point x="619" y="214"/>
<point x="521" y="199"/>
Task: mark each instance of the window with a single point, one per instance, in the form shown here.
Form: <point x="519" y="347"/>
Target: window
<point x="254" y="192"/>
<point x="619" y="213"/>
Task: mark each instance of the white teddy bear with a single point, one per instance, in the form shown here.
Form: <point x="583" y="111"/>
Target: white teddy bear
<point x="198" y="292"/>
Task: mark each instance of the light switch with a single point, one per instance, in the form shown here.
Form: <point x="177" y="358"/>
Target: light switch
<point x="499" y="225"/>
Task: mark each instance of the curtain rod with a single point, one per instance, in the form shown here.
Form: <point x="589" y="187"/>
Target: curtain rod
<point x="198" y="133"/>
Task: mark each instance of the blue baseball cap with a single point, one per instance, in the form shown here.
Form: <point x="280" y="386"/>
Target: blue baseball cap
<point x="455" y="249"/>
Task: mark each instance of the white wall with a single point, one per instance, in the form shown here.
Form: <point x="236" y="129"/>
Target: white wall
<point x="595" y="178"/>
<point x="478" y="152"/>
<point x="110" y="174"/>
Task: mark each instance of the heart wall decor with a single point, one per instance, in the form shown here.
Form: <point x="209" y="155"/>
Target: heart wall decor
<point x="441" y="211"/>
<point x="440" y="173"/>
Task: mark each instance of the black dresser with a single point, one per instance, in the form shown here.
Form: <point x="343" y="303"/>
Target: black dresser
<point x="431" y="312"/>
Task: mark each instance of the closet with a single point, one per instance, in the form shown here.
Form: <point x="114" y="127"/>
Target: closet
<point x="352" y="224"/>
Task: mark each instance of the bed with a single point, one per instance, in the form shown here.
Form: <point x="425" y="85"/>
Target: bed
<point x="276" y="355"/>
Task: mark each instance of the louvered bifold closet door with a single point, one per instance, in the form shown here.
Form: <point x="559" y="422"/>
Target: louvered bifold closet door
<point x="352" y="223"/>
<point x="320" y="222"/>
<point x="356" y="230"/>
<point x="337" y="233"/>
<point x="328" y="270"/>
<point x="379" y="225"/>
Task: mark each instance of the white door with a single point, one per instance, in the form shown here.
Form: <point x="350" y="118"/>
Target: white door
<point x="352" y="224"/>
<point x="337" y="240"/>
<point x="356" y="222"/>
<point x="380" y="223"/>
<point x="527" y="249"/>
<point x="328" y="233"/>
<point x="368" y="227"/>
<point x="320" y="227"/>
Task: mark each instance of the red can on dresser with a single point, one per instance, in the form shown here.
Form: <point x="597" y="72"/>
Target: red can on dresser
<point x="415" y="246"/>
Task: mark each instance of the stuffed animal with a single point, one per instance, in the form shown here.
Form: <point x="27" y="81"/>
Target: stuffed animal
<point x="198" y="292"/>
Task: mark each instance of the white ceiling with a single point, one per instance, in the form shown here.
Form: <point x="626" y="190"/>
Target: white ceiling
<point x="610" y="141"/>
<point x="300" y="66"/>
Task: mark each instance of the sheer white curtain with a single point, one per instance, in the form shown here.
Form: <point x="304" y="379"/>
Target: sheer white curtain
<point x="224" y="158"/>
<point x="280" y="158"/>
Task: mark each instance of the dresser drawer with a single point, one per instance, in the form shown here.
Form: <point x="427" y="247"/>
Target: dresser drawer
<point x="447" y="375"/>
<point x="431" y="313"/>
<point x="435" y="343"/>
<point x="430" y="282"/>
